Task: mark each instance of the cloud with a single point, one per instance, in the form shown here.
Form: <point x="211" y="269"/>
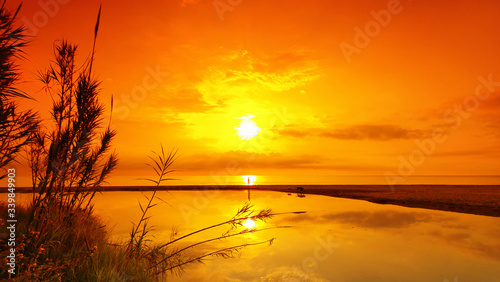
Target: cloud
<point x="379" y="219"/>
<point x="374" y="132"/>
<point x="185" y="3"/>
<point x="463" y="153"/>
<point x="275" y="81"/>
<point x="239" y="160"/>
<point x="279" y="72"/>
<point x="185" y="101"/>
<point x="298" y="133"/>
<point x="491" y="118"/>
<point x="493" y="102"/>
<point x="382" y="132"/>
<point x="456" y="114"/>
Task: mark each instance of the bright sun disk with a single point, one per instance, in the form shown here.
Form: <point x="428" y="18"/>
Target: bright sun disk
<point x="247" y="129"/>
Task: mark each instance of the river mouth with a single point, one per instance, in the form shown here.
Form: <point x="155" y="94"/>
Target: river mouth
<point x="336" y="240"/>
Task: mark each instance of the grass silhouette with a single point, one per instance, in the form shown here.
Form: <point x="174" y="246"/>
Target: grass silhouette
<point x="16" y="127"/>
<point x="59" y="237"/>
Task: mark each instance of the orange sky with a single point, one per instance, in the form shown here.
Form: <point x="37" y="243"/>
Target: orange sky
<point x="334" y="91"/>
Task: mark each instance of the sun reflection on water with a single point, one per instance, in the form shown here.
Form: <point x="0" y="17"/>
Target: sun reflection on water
<point x="249" y="224"/>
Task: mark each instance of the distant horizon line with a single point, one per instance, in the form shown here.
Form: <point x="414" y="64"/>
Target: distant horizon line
<point x="254" y="185"/>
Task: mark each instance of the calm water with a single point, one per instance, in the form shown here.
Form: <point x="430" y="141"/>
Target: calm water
<point x="337" y="240"/>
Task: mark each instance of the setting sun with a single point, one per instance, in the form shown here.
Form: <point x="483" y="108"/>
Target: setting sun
<point x="247" y="129"/>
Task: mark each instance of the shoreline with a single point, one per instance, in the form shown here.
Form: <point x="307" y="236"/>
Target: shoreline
<point x="470" y="199"/>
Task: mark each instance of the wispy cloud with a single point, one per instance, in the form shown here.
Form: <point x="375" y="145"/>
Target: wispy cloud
<point x="381" y="132"/>
<point x="244" y="159"/>
<point x="465" y="153"/>
<point x="278" y="72"/>
<point x="185" y="3"/>
<point x="494" y="102"/>
<point x="184" y="101"/>
<point x="248" y="160"/>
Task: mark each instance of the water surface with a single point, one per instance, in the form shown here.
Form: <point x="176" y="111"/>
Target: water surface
<point x="336" y="240"/>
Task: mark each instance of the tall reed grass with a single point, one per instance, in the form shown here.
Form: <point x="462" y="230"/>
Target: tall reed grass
<point x="59" y="237"/>
<point x="16" y="126"/>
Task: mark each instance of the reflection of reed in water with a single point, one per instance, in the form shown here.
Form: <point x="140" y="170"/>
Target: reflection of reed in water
<point x="167" y="258"/>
